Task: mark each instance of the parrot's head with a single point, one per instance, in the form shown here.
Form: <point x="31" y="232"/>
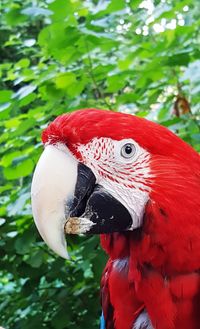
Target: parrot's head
<point x="98" y="171"/>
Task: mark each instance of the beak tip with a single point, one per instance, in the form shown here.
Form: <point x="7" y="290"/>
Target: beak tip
<point x="60" y="251"/>
<point x="65" y="255"/>
<point x="58" y="245"/>
<point x="63" y="252"/>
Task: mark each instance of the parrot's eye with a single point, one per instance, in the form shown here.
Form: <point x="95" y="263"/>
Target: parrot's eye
<point x="128" y="150"/>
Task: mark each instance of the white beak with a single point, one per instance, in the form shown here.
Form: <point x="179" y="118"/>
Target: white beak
<point x="53" y="186"/>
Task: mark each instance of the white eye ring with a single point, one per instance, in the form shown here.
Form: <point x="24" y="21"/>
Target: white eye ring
<point x="128" y="150"/>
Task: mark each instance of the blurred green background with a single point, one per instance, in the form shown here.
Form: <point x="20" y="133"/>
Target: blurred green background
<point x="140" y="57"/>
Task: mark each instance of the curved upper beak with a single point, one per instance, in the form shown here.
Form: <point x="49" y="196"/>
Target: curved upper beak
<point x="52" y="190"/>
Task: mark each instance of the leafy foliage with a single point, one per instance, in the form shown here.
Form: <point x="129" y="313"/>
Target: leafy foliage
<point x="135" y="56"/>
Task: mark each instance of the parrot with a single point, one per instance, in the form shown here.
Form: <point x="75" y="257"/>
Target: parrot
<point x="137" y="185"/>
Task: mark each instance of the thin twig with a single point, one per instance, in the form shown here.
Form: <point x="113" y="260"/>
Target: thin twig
<point x="90" y="71"/>
<point x="178" y="84"/>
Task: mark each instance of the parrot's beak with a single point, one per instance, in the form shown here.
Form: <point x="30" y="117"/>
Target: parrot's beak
<point x="52" y="189"/>
<point x="67" y="199"/>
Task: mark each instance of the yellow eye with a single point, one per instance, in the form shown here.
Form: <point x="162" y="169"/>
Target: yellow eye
<point x="128" y="150"/>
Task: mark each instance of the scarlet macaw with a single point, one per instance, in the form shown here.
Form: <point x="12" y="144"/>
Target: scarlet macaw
<point x="136" y="184"/>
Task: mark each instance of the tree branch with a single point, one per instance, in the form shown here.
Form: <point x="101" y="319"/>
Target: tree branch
<point x="99" y="92"/>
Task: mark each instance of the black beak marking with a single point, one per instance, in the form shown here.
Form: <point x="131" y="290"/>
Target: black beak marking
<point x="84" y="188"/>
<point x="93" y="202"/>
<point x="106" y="212"/>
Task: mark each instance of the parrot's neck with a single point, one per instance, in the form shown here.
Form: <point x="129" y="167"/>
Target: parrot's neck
<point x="117" y="245"/>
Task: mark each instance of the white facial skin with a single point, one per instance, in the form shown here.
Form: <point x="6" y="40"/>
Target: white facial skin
<point x="123" y="175"/>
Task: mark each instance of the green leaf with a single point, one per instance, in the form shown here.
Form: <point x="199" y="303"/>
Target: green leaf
<point x="61" y="9"/>
<point x="8" y="158"/>
<point x="23" y="169"/>
<point x="14" y="16"/>
<point x="5" y="95"/>
<point x="63" y="80"/>
<point x="23" y="243"/>
<point x="27" y="99"/>
<point x="36" y="259"/>
<point x="116" y="5"/>
<point x="23" y="63"/>
<point x="179" y="59"/>
<point x="134" y="4"/>
<point x="115" y="83"/>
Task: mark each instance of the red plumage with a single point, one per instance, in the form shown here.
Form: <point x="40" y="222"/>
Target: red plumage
<point x="162" y="275"/>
